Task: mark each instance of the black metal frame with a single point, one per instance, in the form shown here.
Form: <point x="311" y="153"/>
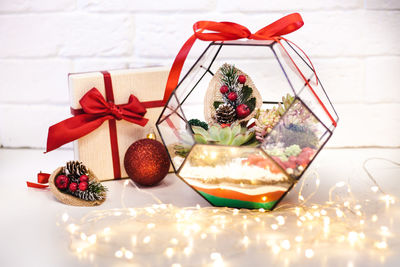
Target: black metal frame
<point x="271" y="45"/>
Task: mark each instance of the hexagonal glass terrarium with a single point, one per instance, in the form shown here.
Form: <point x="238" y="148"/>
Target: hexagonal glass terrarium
<point x="256" y="143"/>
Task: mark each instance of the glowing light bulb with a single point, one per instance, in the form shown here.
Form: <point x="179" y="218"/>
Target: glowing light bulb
<point x="72" y="228"/>
<point x="309" y="253"/>
<point x="385" y="230"/>
<point x="169" y="252"/>
<point x="352" y="238"/>
<point x="340" y="184"/>
<point x="246" y="241"/>
<point x="119" y="254"/>
<point x="298" y="238"/>
<point x="187" y="251"/>
<point x="276" y="249"/>
<point x="285" y="244"/>
<point x="83" y="236"/>
<point x="128" y="254"/>
<point x="381" y="245"/>
<point x="215" y="256"/>
<point x="374" y="189"/>
<point x="147" y="239"/>
<point x="281" y="220"/>
<point x="92" y="239"/>
<point x="65" y="217"/>
<point x="339" y="213"/>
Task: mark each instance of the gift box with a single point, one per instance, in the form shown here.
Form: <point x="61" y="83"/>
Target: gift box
<point x="264" y="118"/>
<point x="112" y="109"/>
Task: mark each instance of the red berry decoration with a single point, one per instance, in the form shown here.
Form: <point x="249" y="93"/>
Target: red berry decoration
<point x="84" y="178"/>
<point x="73" y="187"/>
<point x="242" y="79"/>
<point x="242" y="111"/>
<point x="83" y="186"/>
<point x="146" y="162"/>
<point x="223" y="125"/>
<point x="232" y="96"/>
<point x="224" y="89"/>
<point x="62" y="182"/>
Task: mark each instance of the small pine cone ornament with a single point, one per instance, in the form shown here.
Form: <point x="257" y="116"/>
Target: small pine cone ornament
<point x="76" y="168"/>
<point x="225" y="113"/>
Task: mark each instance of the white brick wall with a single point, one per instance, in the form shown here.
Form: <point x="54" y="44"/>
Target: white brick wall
<point x="354" y="44"/>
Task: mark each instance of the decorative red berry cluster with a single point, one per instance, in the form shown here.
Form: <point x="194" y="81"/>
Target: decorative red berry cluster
<point x="242" y="110"/>
<point x="63" y="183"/>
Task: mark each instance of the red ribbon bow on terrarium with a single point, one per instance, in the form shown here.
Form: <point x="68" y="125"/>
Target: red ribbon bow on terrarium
<point x="228" y="31"/>
<point x="95" y="110"/>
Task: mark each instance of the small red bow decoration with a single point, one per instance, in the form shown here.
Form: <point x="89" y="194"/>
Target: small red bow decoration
<point x="95" y="110"/>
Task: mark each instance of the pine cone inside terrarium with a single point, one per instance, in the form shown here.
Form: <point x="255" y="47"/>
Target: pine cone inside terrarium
<point x="225" y="113"/>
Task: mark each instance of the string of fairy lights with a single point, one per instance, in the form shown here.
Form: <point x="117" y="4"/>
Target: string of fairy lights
<point x="210" y="236"/>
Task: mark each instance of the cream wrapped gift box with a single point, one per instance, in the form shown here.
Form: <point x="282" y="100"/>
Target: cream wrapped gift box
<point x="103" y="149"/>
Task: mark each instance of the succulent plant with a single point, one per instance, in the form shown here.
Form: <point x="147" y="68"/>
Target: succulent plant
<point x="234" y="135"/>
<point x="286" y="102"/>
<point x="267" y="119"/>
<point x="298" y="115"/>
<point x="181" y="150"/>
<point x="306" y="138"/>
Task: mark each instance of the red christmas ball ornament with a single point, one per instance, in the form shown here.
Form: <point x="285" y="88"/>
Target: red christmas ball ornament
<point x="83" y="186"/>
<point x="232" y="96"/>
<point x="224" y="89"/>
<point x="73" y="187"/>
<point x="62" y="181"/>
<point x="242" y="79"/>
<point x="242" y="111"/>
<point x="146" y="162"/>
<point x="83" y="178"/>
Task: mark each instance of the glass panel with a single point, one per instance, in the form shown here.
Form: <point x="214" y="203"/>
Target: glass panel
<point x="311" y="96"/>
<point x="296" y="139"/>
<point x="195" y="73"/>
<point x="242" y="177"/>
<point x="175" y="133"/>
<point x="320" y="106"/>
<point x="260" y="64"/>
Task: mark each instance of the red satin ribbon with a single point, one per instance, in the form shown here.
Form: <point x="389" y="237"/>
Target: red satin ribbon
<point x="42" y="180"/>
<point x="96" y="110"/>
<point x="225" y="31"/>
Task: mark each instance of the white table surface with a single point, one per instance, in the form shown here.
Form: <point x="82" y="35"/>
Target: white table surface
<point x="29" y="235"/>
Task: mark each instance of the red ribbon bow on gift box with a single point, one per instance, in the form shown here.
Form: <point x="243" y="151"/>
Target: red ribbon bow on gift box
<point x="95" y="110"/>
<point x="227" y="31"/>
